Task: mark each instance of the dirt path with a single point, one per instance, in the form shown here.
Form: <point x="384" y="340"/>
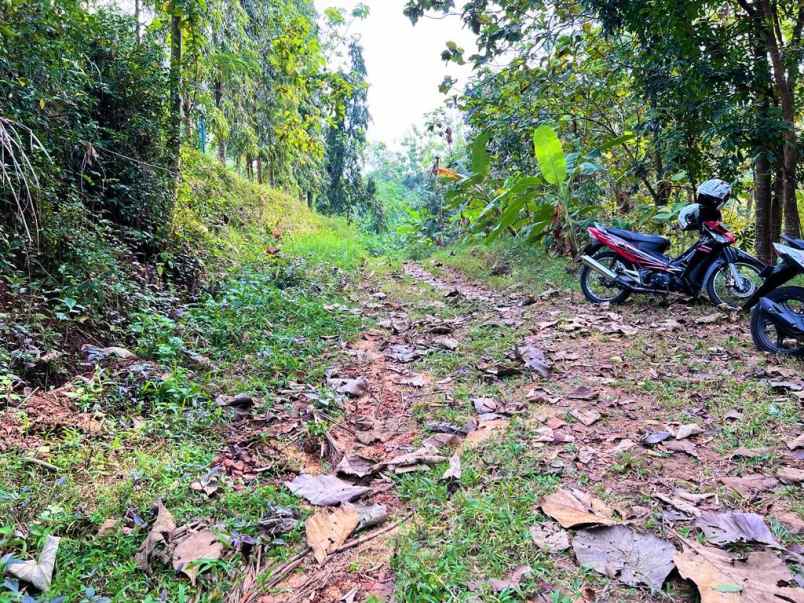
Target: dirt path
<point x="662" y="414"/>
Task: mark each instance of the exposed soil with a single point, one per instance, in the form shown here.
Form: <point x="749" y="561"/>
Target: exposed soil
<point x="607" y="365"/>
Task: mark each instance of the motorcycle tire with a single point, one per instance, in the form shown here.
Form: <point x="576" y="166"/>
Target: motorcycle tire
<point x="755" y="265"/>
<point x="759" y="325"/>
<point x="607" y="258"/>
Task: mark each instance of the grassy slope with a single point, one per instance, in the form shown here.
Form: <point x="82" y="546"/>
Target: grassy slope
<point x="262" y="328"/>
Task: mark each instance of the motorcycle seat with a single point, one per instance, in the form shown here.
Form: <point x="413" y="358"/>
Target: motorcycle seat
<point x="797" y="243"/>
<point x="652" y="242"/>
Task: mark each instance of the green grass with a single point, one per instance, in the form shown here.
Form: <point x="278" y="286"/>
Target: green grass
<point x="266" y="324"/>
<point x="527" y="266"/>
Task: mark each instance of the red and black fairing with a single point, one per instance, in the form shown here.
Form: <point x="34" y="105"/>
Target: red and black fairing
<point x="644" y="251"/>
<point x="659" y="272"/>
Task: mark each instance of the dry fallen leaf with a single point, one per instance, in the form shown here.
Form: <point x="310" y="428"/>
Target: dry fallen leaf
<point x="484" y="405"/>
<point x="203" y="545"/>
<point x="39" y="573"/>
<point x="351" y="387"/>
<point x="620" y="552"/>
<point x="328" y="529"/>
<point x="355" y="465"/>
<point x="324" y="490"/>
<point x="587" y="417"/>
<point x="414" y="380"/>
<point x="512" y="580"/>
<point x="368" y="516"/>
<point x="655" y="437"/>
<point x="708" y="319"/>
<point x="483" y="432"/>
<point x="681" y="505"/>
<point x="437" y="440"/>
<point x="681" y="446"/>
<point x="155" y="543"/>
<point x="425" y="455"/>
<point x="107" y="527"/>
<point x="790" y="475"/>
<point x="582" y="393"/>
<point x="750" y="453"/>
<point x="448" y="343"/>
<point x="453" y="472"/>
<point x="722" y="578"/>
<point x="731" y="528"/>
<point x="573" y="508"/>
<point x="796" y="443"/>
<point x="533" y="358"/>
<point x="549" y="538"/>
<point x="685" y="431"/>
<point x="749" y="485"/>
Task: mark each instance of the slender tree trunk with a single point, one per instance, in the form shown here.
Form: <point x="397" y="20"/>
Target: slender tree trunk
<point x="174" y="135"/>
<point x="662" y="185"/>
<point x="259" y="169"/>
<point x="137" y="20"/>
<point x="763" y="202"/>
<point x="218" y="105"/>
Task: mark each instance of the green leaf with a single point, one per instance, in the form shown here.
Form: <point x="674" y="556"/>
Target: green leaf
<point x="550" y="155"/>
<point x="613" y="142"/>
<point x="587" y="168"/>
<point x="728" y="588"/>
<point x="479" y="154"/>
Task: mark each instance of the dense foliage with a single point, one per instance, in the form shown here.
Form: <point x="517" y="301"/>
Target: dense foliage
<point x="663" y="95"/>
<point x="97" y="105"/>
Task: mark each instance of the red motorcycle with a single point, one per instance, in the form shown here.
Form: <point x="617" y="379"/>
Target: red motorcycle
<point x="620" y="262"/>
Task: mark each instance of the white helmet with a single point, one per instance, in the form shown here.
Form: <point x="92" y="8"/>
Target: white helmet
<point x="713" y="193"/>
<point x="689" y="218"/>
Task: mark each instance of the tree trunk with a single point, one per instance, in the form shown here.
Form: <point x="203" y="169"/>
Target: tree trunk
<point x="218" y="105"/>
<point x="663" y="187"/>
<point x="137" y="20"/>
<point x="784" y="81"/>
<point x="259" y="169"/>
<point x="174" y="135"/>
<point x="763" y="202"/>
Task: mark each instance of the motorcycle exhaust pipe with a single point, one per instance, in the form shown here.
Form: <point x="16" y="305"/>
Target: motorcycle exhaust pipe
<point x="595" y="265"/>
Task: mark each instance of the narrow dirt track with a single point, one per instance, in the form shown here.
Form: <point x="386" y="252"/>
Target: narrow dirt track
<point x="617" y="375"/>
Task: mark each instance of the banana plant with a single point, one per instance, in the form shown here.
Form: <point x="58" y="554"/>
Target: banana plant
<point x="522" y="204"/>
<point x="553" y="165"/>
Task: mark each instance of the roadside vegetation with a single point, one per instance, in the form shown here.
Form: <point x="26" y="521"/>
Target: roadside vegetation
<point x="248" y="357"/>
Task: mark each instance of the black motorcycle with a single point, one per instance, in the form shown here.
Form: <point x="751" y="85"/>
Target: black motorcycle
<point x="777" y="318"/>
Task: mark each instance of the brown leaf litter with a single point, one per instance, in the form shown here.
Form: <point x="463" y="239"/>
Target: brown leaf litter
<point x="722" y="577"/>
<point x="573" y="508"/>
<point x="622" y="553"/>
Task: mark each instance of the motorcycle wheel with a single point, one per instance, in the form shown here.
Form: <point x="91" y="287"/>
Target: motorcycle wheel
<point x="721" y="293"/>
<point x="765" y="334"/>
<point x="599" y="289"/>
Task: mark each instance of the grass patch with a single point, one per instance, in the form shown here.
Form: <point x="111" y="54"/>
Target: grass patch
<point x="507" y="263"/>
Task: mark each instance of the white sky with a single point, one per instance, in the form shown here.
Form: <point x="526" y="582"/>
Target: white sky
<point x="404" y="63"/>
